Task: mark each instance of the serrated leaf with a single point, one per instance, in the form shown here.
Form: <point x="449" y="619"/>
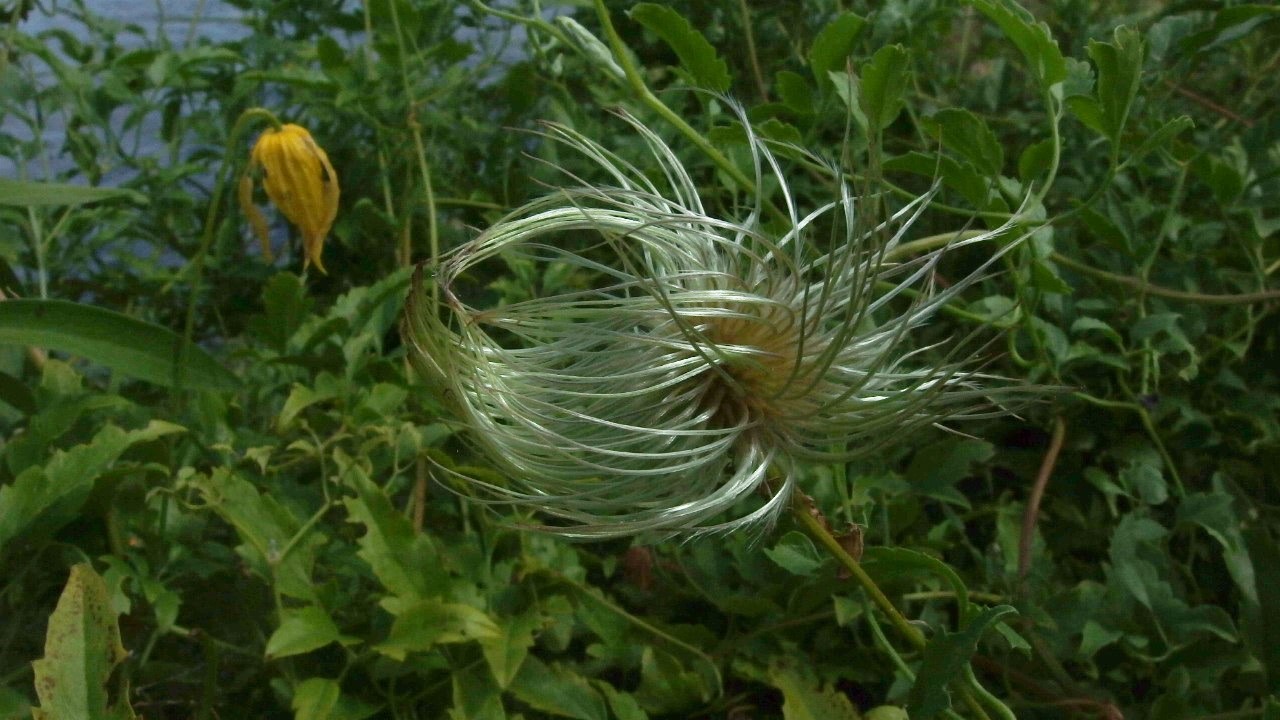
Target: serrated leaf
<point x="795" y="553"/>
<point x="44" y="498"/>
<point x="832" y="46"/>
<point x="125" y="344"/>
<point x="285" y="305"/>
<point x="506" y="651"/>
<point x="302" y="397"/>
<point x="956" y="174"/>
<point x="1161" y="137"/>
<point x="265" y="528"/>
<point x="884" y="80"/>
<point x="623" y="705"/>
<point x="943" y="660"/>
<point x="82" y="647"/>
<point x="794" y="91"/>
<point x="805" y="700"/>
<point x="697" y="56"/>
<point x="963" y="132"/>
<point x="405" y="562"/>
<point x="1035" y="160"/>
<point x="475" y="696"/>
<point x="1119" y="70"/>
<point x="558" y="691"/>
<point x="1089" y="112"/>
<point x="1033" y="39"/>
<point x="301" y="631"/>
<point x="420" y="626"/>
<point x="26" y="193"/>
<point x="936" y="469"/>
<point x="667" y="686"/>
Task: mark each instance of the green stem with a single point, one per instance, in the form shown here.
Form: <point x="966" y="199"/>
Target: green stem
<point x="424" y="169"/>
<point x="640" y="623"/>
<point x="195" y="268"/>
<point x="749" y="36"/>
<point x="646" y="96"/>
<point x="1158" y="291"/>
<point x="805" y="516"/>
<point x="1055" y="115"/>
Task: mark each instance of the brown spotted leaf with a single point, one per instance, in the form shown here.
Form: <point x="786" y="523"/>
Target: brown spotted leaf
<point x="82" y="647"/>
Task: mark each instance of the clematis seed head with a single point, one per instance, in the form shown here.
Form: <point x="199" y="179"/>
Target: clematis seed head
<point x="698" y="359"/>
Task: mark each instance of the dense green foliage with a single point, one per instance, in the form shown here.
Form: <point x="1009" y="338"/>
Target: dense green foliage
<point x="275" y="520"/>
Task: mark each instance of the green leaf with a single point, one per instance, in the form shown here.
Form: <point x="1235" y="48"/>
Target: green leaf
<point x="884" y="80"/>
<point x="796" y="554"/>
<point x="558" y="691"/>
<point x="322" y="699"/>
<point x="127" y="345"/>
<point x="803" y="699"/>
<point x="596" y="51"/>
<point x="1229" y="25"/>
<point x="1261" y="621"/>
<point x="936" y="468"/>
<point x="1089" y="112"/>
<point x="1033" y="39"/>
<point x="302" y="631"/>
<point x="884" y="563"/>
<point x="667" y="687"/>
<point x="846" y="85"/>
<point x="405" y="562"/>
<point x="475" y="696"/>
<point x="944" y="659"/>
<point x="25" y="193"/>
<point x="44" y="498"/>
<point x="1119" y="71"/>
<point x="1161" y="137"/>
<point x="82" y="647"/>
<point x="1035" y="160"/>
<point x="423" y="625"/>
<point x="697" y="56"/>
<point x="265" y="528"/>
<point x="832" y="46"/>
<point x="315" y="698"/>
<point x="285" y="306"/>
<point x="795" y="92"/>
<point x="302" y="397"/>
<point x="506" y="651"/>
<point x="623" y="705"/>
<point x="967" y="134"/>
<point x="13" y="705"/>
<point x="886" y="712"/>
<point x="956" y="174"/>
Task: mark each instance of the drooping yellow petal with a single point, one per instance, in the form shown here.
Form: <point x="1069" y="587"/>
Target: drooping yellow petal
<point x="301" y="182"/>
<point x="257" y="220"/>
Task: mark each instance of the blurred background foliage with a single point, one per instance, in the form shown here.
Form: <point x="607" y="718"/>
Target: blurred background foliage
<point x="281" y="549"/>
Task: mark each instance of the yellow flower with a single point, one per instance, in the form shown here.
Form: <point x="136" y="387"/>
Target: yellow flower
<point x="300" y="182"/>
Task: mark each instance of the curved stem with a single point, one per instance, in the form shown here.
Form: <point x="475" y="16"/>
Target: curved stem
<point x="196" y="266"/>
<point x="1158" y="291"/>
<point x="1032" y="512"/>
<point x="807" y="517"/>
<point x="646" y="96"/>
